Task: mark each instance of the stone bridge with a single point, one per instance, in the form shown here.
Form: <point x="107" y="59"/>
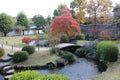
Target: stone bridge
<point x="68" y="47"/>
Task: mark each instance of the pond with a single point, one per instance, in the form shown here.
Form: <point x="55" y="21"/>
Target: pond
<point x="82" y="69"/>
<point x="1" y="77"/>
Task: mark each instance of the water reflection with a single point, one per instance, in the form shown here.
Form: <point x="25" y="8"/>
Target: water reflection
<point x="82" y="69"/>
<point x="1" y="77"/>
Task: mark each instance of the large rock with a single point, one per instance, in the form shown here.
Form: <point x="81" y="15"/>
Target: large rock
<point x="61" y="62"/>
<point x="51" y="65"/>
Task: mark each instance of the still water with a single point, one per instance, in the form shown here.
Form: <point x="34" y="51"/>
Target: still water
<point x="82" y="69"/>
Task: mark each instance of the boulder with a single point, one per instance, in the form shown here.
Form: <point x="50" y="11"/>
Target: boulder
<point x="61" y="62"/>
<point x="50" y="65"/>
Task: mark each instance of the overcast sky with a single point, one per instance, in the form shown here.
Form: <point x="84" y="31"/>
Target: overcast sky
<point x="33" y="7"/>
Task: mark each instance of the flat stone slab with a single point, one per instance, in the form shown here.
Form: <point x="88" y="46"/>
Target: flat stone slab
<point x="7" y="67"/>
<point x="2" y="64"/>
<point x="7" y="77"/>
<point x="6" y="59"/>
<point x="10" y="54"/>
<point x="10" y="71"/>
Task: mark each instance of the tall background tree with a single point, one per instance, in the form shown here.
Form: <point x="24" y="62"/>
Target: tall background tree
<point x="116" y="12"/>
<point x="6" y="23"/>
<point x="73" y="5"/>
<point x="48" y="20"/>
<point x="39" y="22"/>
<point x="81" y="6"/>
<point x="58" y="11"/>
<point x="22" y="20"/>
<point x="99" y="9"/>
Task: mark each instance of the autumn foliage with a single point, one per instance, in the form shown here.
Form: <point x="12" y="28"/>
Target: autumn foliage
<point x="26" y="40"/>
<point x="95" y="30"/>
<point x="64" y="25"/>
<point x="105" y="34"/>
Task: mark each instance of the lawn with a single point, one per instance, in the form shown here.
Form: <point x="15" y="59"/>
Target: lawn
<point x="39" y="58"/>
<point x="16" y="41"/>
<point x="82" y="42"/>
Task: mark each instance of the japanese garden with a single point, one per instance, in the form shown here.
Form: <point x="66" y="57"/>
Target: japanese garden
<point x="79" y="42"/>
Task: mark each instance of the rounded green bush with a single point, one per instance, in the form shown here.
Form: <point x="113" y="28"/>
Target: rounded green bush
<point x="80" y="36"/>
<point x="52" y="77"/>
<point x="108" y="51"/>
<point x="2" y="52"/>
<point x="20" y="56"/>
<point x="80" y="52"/>
<point x="69" y="56"/>
<point x="29" y="49"/>
<point x="25" y="75"/>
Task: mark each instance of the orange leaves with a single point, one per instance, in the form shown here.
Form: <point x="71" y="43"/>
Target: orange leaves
<point x="26" y="40"/>
<point x="64" y="24"/>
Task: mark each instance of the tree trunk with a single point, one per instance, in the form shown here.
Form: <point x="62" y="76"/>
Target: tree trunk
<point x="95" y="20"/>
<point x="5" y="33"/>
<point x="23" y="32"/>
<point x="38" y="31"/>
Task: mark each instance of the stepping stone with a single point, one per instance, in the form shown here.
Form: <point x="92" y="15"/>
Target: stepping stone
<point x="6" y="59"/>
<point x="7" y="77"/>
<point x="10" y="54"/>
<point x="3" y="64"/>
<point x="7" y="67"/>
<point x="10" y="71"/>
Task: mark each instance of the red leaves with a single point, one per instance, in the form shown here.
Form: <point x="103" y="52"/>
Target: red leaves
<point x="95" y="30"/>
<point x="64" y="24"/>
<point x="26" y="40"/>
<point x="106" y="34"/>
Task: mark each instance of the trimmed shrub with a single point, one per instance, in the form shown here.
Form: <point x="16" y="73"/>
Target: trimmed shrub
<point x="20" y="56"/>
<point x="80" y="37"/>
<point x="25" y="75"/>
<point x="34" y="75"/>
<point x="52" y="77"/>
<point x="108" y="51"/>
<point x="105" y="35"/>
<point x="30" y="49"/>
<point x="26" y="40"/>
<point x="80" y="52"/>
<point x="2" y="52"/>
<point x="69" y="56"/>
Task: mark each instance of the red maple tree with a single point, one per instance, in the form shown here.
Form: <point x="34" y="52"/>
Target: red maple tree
<point x="64" y="24"/>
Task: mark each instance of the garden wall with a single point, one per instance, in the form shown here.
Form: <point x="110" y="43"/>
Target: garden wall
<point x="114" y="28"/>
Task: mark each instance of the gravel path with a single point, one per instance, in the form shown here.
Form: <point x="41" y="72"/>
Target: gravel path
<point x="119" y="45"/>
<point x="17" y="49"/>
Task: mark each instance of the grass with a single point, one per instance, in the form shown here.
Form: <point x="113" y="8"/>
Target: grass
<point x="117" y="41"/>
<point x="39" y="58"/>
<point x="16" y="41"/>
<point x="82" y="42"/>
